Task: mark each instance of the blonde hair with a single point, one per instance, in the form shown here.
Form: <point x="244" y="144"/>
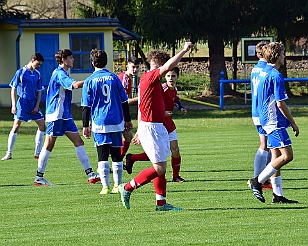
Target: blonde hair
<point x="273" y="51"/>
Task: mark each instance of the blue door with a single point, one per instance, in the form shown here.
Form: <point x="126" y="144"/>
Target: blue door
<point x="47" y="45"/>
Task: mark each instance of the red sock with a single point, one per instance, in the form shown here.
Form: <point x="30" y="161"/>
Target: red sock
<point x="144" y="177"/>
<point x="160" y="186"/>
<point x="139" y="157"/>
<point x="124" y="148"/>
<point x="176" y="165"/>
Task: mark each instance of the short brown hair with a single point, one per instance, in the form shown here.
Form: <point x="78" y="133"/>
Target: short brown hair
<point x="62" y="54"/>
<point x="273" y="51"/>
<point x="260" y="47"/>
<point x="176" y="70"/>
<point x="37" y="57"/>
<point x="158" y="56"/>
<point x="99" y="58"/>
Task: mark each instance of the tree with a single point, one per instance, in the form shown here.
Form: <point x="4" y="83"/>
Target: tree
<point x="42" y="9"/>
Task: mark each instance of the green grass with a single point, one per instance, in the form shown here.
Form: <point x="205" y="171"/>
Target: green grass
<point x="217" y="149"/>
<point x="192" y="85"/>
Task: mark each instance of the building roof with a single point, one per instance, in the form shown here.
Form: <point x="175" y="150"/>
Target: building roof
<point x="64" y="23"/>
<point x="123" y="34"/>
<point x="119" y="33"/>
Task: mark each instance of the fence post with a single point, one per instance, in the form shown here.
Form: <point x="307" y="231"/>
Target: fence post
<point x="221" y="91"/>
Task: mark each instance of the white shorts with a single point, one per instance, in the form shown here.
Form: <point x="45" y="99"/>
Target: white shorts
<point x="154" y="140"/>
<point x="173" y="136"/>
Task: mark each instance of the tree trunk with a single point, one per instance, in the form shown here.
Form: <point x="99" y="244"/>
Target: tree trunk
<point x="217" y="64"/>
<point x="144" y="59"/>
<point x="234" y="56"/>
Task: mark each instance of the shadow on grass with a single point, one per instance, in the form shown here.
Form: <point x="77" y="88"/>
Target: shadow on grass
<point x="245" y="208"/>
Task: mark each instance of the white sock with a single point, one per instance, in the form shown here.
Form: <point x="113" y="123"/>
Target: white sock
<point x="160" y="197"/>
<point x="260" y="161"/>
<point x="277" y="185"/>
<point x="104" y="172"/>
<point x="11" y="141"/>
<point x="117" y="168"/>
<point x="266" y="173"/>
<point x="82" y="157"/>
<point x="43" y="160"/>
<point x="39" y="138"/>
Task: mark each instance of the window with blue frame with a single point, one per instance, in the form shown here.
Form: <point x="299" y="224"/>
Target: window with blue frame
<point x="81" y="46"/>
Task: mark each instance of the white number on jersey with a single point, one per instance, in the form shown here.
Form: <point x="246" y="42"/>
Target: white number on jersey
<point x="106" y="92"/>
<point x="255" y="82"/>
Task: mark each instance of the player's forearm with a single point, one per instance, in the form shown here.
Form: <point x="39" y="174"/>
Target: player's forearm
<point x="284" y="109"/>
<point x="86" y="111"/>
<point x="132" y="100"/>
<point x="172" y="62"/>
<point x="126" y="112"/>
<point x="13" y="97"/>
<point x="38" y="99"/>
<point x="78" y="84"/>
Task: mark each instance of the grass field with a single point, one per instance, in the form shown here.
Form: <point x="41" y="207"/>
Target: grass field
<point x="217" y="149"/>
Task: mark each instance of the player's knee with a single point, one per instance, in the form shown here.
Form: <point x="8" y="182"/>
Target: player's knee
<point x="78" y="143"/>
<point x="128" y="136"/>
<point x="175" y="152"/>
<point x="288" y="158"/>
<point x="42" y="128"/>
<point x="160" y="170"/>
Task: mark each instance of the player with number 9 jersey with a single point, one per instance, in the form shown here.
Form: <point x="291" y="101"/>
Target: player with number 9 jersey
<point x="105" y="105"/>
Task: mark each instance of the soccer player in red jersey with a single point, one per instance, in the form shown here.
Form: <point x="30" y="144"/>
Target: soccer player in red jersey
<point x="151" y="132"/>
<point x="126" y="78"/>
<point x="171" y="99"/>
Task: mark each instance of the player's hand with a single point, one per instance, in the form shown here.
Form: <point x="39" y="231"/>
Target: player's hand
<point x="183" y="111"/>
<point x="34" y="111"/>
<point x="168" y="113"/>
<point x="295" y="129"/>
<point x="86" y="132"/>
<point x="187" y="46"/>
<point x="136" y="140"/>
<point x="128" y="126"/>
<point x="13" y="110"/>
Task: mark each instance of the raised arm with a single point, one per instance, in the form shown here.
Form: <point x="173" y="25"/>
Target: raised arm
<point x="173" y="61"/>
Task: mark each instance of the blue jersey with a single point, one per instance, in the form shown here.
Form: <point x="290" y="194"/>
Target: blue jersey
<point x="254" y="82"/>
<point x="104" y="93"/>
<point x="59" y="96"/>
<point x="271" y="90"/>
<point x="27" y="83"/>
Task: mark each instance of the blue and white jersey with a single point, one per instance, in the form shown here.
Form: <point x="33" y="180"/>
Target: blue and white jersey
<point x="27" y="83"/>
<point x="59" y="96"/>
<point x="254" y="82"/>
<point x="104" y="93"/>
<point x="271" y="90"/>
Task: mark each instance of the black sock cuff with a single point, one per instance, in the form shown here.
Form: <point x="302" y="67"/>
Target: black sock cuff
<point x="89" y="170"/>
<point x="39" y="174"/>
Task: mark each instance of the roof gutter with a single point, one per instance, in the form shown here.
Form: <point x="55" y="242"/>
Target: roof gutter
<point x="18" y="48"/>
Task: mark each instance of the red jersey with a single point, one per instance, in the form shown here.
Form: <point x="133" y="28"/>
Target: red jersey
<point x="126" y="82"/>
<point x="170" y="98"/>
<point x="151" y="97"/>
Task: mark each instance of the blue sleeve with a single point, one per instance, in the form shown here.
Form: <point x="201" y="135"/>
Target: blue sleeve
<point x="86" y="100"/>
<point x="16" y="80"/>
<point x="66" y="81"/>
<point x="39" y="83"/>
<point x="280" y="93"/>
